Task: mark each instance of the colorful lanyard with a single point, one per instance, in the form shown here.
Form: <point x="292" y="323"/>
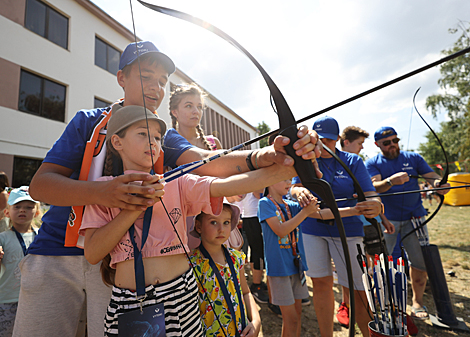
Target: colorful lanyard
<point x="21" y="240"/>
<point x="293" y="236"/>
<point x="222" y="286"/>
<point x="138" y="261"/>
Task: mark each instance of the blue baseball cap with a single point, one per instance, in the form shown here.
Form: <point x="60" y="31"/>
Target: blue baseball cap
<point x="327" y="127"/>
<point x="19" y="194"/>
<point x="384" y="132"/>
<point x="131" y="53"/>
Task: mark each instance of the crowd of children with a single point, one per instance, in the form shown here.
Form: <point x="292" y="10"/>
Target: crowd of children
<point x="56" y="278"/>
<point x="126" y="252"/>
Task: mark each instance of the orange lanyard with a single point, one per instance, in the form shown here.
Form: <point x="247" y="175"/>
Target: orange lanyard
<point x="293" y="236"/>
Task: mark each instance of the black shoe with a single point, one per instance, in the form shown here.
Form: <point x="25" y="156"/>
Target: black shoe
<point x="306" y="301"/>
<point x="259" y="293"/>
<point x="275" y="309"/>
<point x="264" y="286"/>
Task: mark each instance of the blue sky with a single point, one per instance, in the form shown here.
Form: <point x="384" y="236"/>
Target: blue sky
<point x="317" y="52"/>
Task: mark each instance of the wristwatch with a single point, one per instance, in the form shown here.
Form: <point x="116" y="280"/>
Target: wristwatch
<point x="389" y="182"/>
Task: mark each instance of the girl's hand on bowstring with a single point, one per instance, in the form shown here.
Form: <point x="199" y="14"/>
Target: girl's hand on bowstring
<point x="158" y="188"/>
<point x="126" y="192"/>
<point x="249" y="331"/>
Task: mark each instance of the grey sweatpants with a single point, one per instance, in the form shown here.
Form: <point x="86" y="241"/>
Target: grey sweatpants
<point x="53" y="290"/>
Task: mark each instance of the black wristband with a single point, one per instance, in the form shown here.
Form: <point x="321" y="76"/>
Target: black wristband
<point x="248" y="161"/>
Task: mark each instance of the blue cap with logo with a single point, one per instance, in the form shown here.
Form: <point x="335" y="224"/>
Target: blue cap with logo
<point x="19" y="194"/>
<point x="384" y="132"/>
<point x="327" y="127"/>
<point x="131" y="53"/>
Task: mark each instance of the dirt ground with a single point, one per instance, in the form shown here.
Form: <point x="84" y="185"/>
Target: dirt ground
<point x="450" y="231"/>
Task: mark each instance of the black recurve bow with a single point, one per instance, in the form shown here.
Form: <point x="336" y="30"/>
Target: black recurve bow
<point x="287" y="125"/>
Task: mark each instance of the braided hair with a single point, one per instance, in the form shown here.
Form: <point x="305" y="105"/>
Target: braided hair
<point x="112" y="167"/>
<point x="176" y="96"/>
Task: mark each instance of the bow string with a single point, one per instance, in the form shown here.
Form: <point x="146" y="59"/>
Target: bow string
<point x="198" y="278"/>
<point x="444" y="177"/>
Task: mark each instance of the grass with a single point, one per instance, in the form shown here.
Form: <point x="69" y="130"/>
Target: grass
<point x="449" y="230"/>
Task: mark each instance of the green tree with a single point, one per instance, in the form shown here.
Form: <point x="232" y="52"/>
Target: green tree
<point x="263" y="128"/>
<point x="455" y="82"/>
<point x="432" y="152"/>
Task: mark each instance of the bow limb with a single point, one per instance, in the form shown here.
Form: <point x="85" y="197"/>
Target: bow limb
<point x="444" y="177"/>
<point x="287" y="123"/>
<point x="362" y="197"/>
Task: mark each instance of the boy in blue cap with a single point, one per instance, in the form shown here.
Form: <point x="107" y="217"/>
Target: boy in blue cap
<point x="63" y="279"/>
<point x="21" y="209"/>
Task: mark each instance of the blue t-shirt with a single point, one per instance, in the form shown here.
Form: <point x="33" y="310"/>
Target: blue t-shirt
<point x="174" y="145"/>
<point x="68" y="151"/>
<point x="343" y="187"/>
<point x="367" y="223"/>
<point x="401" y="207"/>
<point x="278" y="256"/>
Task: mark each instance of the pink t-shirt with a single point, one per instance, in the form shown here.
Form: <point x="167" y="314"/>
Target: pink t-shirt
<point x="186" y="196"/>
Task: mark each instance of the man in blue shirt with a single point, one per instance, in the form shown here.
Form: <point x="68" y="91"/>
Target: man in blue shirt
<point x="391" y="171"/>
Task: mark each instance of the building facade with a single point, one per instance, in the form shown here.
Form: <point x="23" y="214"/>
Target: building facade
<point x="59" y="57"/>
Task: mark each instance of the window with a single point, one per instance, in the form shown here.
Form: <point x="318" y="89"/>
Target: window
<point x="99" y="103"/>
<point x="42" y="97"/>
<point x="47" y="22"/>
<point x="106" y="57"/>
<point x="24" y="170"/>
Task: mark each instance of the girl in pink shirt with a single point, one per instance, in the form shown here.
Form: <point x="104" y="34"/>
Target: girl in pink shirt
<point x="169" y="284"/>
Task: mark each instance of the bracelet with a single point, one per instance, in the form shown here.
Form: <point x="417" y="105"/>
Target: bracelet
<point x="389" y="182"/>
<point x="256" y="160"/>
<point x="248" y="161"/>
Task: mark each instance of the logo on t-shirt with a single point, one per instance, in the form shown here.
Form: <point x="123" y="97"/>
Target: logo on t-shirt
<point x="175" y="215"/>
<point x="340" y="175"/>
<point x="170" y="249"/>
<point x="406" y="167"/>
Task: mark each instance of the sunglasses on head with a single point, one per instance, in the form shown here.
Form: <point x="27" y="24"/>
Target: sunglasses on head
<point x="388" y="142"/>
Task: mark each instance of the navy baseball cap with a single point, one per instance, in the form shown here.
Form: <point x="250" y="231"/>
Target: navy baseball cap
<point x="131" y="53"/>
<point x="384" y="132"/>
<point x="327" y="127"/>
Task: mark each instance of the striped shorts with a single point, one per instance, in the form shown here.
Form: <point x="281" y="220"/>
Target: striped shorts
<point x="180" y="300"/>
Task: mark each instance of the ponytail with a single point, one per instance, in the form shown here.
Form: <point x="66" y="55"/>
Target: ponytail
<point x="107" y="273"/>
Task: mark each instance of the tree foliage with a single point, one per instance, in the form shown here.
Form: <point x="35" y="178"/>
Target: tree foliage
<point x="263" y="128"/>
<point x="455" y="82"/>
<point x="432" y="152"/>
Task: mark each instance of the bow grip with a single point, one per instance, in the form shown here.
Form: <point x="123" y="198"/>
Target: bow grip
<point x="307" y="173"/>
